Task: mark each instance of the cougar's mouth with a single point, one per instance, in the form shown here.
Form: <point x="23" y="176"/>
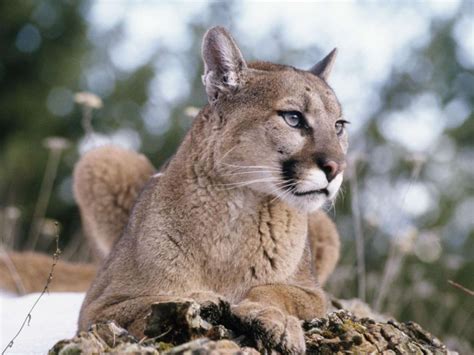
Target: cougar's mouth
<point x="289" y="172"/>
<point x="311" y="192"/>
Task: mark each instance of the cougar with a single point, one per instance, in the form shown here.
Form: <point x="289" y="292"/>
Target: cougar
<point x="229" y="217"/>
<point x="236" y="213"/>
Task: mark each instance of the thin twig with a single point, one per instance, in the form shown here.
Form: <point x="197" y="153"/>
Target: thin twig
<point x="11" y="216"/>
<point x="359" y="238"/>
<point x="27" y="319"/>
<point x="13" y="271"/>
<point x="395" y="258"/>
<point x="54" y="158"/>
<point x="461" y="287"/>
<point x="87" y="120"/>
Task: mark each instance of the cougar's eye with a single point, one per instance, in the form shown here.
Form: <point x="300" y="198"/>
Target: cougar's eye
<point x="293" y="118"/>
<point x="340" y="126"/>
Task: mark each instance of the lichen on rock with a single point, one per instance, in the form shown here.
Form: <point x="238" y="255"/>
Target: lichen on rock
<point x="186" y="327"/>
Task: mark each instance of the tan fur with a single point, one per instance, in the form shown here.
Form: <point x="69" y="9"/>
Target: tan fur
<point x="212" y="225"/>
<point x="118" y="175"/>
<point x="325" y="245"/>
<point x="28" y="272"/>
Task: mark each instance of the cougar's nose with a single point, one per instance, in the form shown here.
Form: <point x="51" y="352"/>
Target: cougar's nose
<point x="330" y="168"/>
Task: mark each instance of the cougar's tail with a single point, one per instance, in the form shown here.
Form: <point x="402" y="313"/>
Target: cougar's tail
<point x="107" y="181"/>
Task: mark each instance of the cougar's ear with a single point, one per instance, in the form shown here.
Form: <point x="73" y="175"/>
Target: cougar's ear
<point x="223" y="63"/>
<point x="324" y="67"/>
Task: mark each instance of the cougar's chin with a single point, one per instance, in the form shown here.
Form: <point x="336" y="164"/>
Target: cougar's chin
<point x="334" y="186"/>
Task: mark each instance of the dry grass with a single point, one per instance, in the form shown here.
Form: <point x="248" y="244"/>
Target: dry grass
<point x="28" y="316"/>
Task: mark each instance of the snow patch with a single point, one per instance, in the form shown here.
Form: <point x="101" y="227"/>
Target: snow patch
<point x="54" y="318"/>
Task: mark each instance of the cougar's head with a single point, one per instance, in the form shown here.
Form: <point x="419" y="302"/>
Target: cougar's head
<point x="280" y="129"/>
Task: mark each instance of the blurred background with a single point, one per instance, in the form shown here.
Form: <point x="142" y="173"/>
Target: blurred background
<point x="404" y="76"/>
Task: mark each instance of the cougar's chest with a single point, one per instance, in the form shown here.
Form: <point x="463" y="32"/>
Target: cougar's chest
<point x="276" y="243"/>
<point x="263" y="246"/>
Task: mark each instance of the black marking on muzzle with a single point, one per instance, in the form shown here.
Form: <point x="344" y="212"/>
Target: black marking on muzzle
<point x="288" y="170"/>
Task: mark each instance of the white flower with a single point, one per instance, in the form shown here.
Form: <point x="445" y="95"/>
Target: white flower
<point x="406" y="241"/>
<point x="88" y="99"/>
<point x="56" y="143"/>
<point x="191" y="111"/>
<point x="12" y="212"/>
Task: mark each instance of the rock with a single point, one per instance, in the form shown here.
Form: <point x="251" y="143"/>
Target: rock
<point x="341" y="331"/>
<point x="186" y="327"/>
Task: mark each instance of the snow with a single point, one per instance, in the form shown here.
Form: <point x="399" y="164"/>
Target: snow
<point x="54" y="318"/>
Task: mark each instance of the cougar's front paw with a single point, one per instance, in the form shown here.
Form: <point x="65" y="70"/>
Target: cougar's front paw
<point x="213" y="305"/>
<point x="271" y="328"/>
<point x="205" y="297"/>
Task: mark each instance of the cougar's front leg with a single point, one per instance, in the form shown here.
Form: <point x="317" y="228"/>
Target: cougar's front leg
<point x="272" y="328"/>
<point x="275" y="311"/>
<point x="325" y="245"/>
<point x="130" y="312"/>
<point x="303" y="303"/>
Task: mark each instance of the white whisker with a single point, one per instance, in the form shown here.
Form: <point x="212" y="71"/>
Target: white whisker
<point x="249" y="172"/>
<point x="252" y="166"/>
<point x="225" y="155"/>
<point x="282" y="191"/>
<point x="282" y="194"/>
<point x="282" y="185"/>
<point x="246" y="183"/>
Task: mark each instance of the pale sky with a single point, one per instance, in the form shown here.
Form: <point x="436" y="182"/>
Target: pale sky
<point x="372" y="38"/>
